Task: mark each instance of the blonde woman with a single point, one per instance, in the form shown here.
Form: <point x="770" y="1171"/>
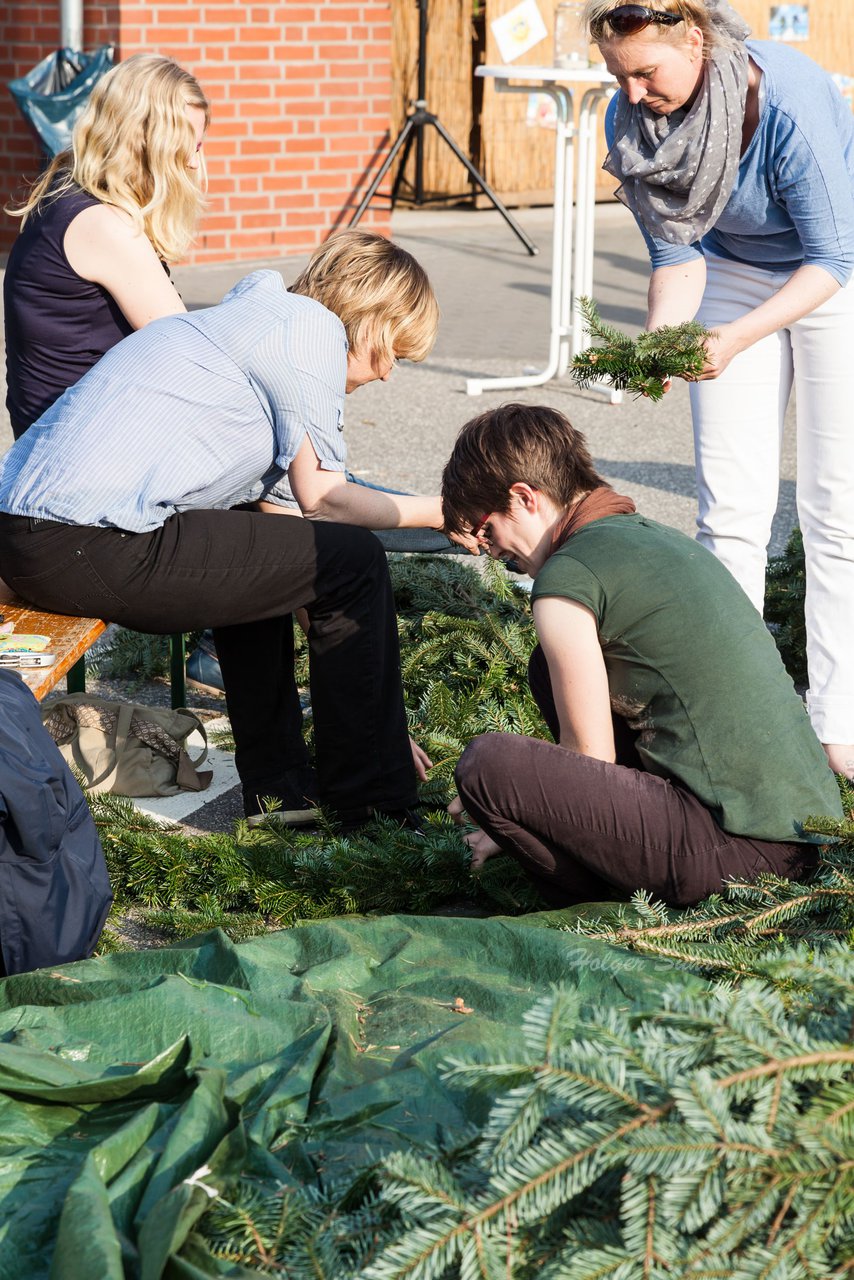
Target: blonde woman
<point x="736" y="157"/>
<point x="160" y="539"/>
<point x="89" y="264"/>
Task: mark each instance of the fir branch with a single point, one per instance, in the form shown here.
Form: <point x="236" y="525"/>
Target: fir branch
<point x="641" y="365"/>
<point x="785" y="592"/>
<point x="705" y="1179"/>
<point x="741" y="933"/>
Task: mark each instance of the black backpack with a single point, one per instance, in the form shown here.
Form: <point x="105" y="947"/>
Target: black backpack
<point x="54" y="889"/>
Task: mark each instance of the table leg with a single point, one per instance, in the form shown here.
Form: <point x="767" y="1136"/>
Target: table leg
<point x="560" y="304"/>
<point x="582" y="286"/>
<point x="75" y="677"/>
<point x="572" y="235"/>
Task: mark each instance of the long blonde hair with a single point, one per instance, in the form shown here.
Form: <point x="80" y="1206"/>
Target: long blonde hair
<point x="131" y="148"/>
<point x="379" y="292"/>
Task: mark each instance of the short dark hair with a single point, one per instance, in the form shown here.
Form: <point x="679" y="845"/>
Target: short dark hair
<point x="514" y="443"/>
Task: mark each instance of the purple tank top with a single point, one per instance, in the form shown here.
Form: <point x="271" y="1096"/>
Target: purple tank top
<point x="57" y="324"/>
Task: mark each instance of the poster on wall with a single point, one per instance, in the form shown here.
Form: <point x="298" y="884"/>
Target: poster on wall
<point x="845" y="85"/>
<point x="518" y="30"/>
<point x="541" y="112"/>
<point x="789" y="22"/>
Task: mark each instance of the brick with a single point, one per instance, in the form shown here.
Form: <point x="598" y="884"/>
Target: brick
<point x="242" y="91"/>
<point x="252" y="220"/>
<point x="290" y="13"/>
<point x="308" y="218"/>
<point x="335" y="162"/>
<point x="179" y="15"/>
<point x="293" y="199"/>
<point x="328" y="31"/>
<point x="343" y="70"/>
<point x="291" y="128"/>
<point x="212" y="13"/>
<point x="251" y="239"/>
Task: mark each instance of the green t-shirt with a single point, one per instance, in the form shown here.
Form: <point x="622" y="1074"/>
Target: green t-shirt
<point x="691" y="666"/>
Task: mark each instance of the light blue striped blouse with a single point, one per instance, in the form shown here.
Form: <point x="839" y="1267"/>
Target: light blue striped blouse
<point x="194" y="411"/>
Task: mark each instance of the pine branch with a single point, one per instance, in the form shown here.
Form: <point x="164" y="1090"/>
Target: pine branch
<point x="741" y="933"/>
<point x="785" y="592"/>
<point x="738" y="1159"/>
<point x="640" y="365"/>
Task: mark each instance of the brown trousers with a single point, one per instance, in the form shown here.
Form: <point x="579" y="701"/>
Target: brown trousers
<point x="584" y="830"/>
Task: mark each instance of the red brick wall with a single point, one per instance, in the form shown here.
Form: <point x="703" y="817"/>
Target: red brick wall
<point x="301" y="104"/>
<point x="29" y="29"/>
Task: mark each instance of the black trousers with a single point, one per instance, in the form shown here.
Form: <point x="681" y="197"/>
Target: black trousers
<point x="583" y="829"/>
<point x="243" y="573"/>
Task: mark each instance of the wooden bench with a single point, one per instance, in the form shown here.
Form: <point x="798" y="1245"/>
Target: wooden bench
<point x="69" y="640"/>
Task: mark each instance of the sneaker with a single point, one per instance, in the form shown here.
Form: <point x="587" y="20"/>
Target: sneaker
<point x="203" y="667"/>
<point x="295" y="794"/>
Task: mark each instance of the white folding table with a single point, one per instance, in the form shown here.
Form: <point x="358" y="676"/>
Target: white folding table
<point x="574" y="188"/>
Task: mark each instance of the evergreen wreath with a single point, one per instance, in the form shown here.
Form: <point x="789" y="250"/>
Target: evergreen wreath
<point x="642" y="364"/>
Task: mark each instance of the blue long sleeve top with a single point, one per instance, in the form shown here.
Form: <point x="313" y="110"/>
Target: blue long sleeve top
<point x="197" y="410"/>
<point x="793" y="199"/>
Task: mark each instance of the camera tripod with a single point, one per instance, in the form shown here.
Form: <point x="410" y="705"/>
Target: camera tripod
<point x="413" y="132"/>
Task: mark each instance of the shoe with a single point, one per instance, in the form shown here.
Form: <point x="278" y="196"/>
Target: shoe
<point x="296" y="794"/>
<point x="352" y="820"/>
<point x="203" y="667"/>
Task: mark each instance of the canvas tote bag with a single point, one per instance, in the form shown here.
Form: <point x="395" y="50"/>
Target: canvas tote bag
<point x="127" y="749"/>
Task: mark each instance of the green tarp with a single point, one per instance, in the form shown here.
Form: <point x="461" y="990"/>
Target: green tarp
<point x="134" y="1083"/>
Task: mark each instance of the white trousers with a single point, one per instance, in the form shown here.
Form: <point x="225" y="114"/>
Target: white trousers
<point x="738" y="428"/>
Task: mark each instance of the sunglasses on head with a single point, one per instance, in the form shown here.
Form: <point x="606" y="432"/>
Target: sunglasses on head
<point x="626" y="19"/>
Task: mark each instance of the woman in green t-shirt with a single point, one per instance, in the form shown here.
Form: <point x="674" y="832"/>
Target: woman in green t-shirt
<point x="683" y="755"/>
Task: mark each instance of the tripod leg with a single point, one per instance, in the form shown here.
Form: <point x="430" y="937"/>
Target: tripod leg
<point x="414" y="132"/>
<point x="481" y="182"/>
<point x="402" y="137"/>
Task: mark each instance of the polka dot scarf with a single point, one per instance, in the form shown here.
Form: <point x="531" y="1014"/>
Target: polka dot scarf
<point x="677" y="171"/>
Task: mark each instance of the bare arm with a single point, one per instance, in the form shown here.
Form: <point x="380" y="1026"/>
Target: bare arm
<point x="102" y="245"/>
<point x="328" y="495"/>
<point x="570" y="639"/>
<point x="569" y="636"/>
<point x="806" y="289"/>
<point x="675" y="293"/>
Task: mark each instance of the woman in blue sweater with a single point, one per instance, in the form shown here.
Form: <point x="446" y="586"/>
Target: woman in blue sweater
<point x="736" y="158"/>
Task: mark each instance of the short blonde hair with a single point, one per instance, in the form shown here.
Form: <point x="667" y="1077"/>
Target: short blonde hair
<point x="379" y="292"/>
<point x="693" y="13"/>
<point x="131" y="148"/>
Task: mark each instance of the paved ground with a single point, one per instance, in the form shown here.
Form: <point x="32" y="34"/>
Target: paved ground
<point x="494" y="299"/>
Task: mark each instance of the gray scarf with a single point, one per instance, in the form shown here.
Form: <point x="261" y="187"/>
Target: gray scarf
<point x="677" y="171"/>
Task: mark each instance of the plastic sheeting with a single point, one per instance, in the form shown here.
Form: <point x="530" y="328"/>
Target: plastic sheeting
<point x="130" y="1083"/>
<point x="54" y="93"/>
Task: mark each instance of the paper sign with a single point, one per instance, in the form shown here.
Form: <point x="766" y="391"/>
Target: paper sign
<point x="518" y="30"/>
<point x="541" y="112"/>
<point x="789" y="22"/>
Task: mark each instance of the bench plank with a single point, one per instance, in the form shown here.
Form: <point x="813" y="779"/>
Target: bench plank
<point x="69" y="638"/>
